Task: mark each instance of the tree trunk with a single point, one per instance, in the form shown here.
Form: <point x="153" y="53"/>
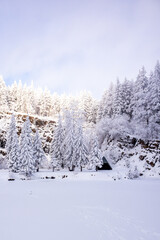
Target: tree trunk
<point x="71" y="168"/>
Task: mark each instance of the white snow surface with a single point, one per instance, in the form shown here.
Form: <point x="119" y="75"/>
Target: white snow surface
<point x="85" y="205"/>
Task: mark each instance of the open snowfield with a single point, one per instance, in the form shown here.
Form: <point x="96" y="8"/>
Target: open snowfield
<point x="77" y="208"/>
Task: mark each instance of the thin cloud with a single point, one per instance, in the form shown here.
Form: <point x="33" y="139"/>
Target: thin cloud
<point x="76" y="46"/>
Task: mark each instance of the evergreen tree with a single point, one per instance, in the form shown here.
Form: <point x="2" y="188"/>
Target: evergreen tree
<point x="12" y="128"/>
<point x="69" y="141"/>
<point x="139" y="100"/>
<point x="56" y="104"/>
<point x="12" y="147"/>
<point x="126" y="97"/>
<point x="46" y="104"/>
<point x="80" y="154"/>
<point x="100" y="110"/>
<point x="153" y="96"/>
<point x="108" y="102"/>
<point x="19" y="96"/>
<point x="87" y="105"/>
<point x="56" y="150"/>
<point x="95" y="158"/>
<point x="54" y="163"/>
<point x="14" y="155"/>
<point x="13" y="96"/>
<point x="118" y="104"/>
<point x="24" y="107"/>
<point x="39" y="155"/>
<point x="3" y="96"/>
<point x="27" y="161"/>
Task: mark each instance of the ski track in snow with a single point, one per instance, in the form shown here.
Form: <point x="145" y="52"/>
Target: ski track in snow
<point x="106" y="225"/>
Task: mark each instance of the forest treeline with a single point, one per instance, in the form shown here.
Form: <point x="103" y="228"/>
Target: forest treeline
<point x="131" y="107"/>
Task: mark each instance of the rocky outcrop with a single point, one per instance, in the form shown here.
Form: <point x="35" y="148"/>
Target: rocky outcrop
<point x="131" y="152"/>
<point x="45" y="127"/>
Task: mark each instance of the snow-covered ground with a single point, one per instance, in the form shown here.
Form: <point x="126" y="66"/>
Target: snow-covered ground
<point x="82" y="206"/>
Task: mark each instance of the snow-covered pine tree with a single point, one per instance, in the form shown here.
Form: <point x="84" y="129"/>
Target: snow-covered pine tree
<point x="139" y="100"/>
<point x="56" y="104"/>
<point x="12" y="147"/>
<point x="10" y="131"/>
<point x="80" y="154"/>
<point x="100" y="110"/>
<point x="94" y="111"/>
<point x="54" y="163"/>
<point x="56" y="150"/>
<point x="14" y="155"/>
<point x="46" y="103"/>
<point x="117" y="106"/>
<point x="126" y="96"/>
<point x="153" y="96"/>
<point x="13" y="95"/>
<point x="86" y="104"/>
<point x="24" y="99"/>
<point x="19" y="97"/>
<point x="95" y="157"/>
<point x="108" y="102"/>
<point x="27" y="161"/>
<point x="39" y="155"/>
<point x="3" y="96"/>
<point x="69" y="141"/>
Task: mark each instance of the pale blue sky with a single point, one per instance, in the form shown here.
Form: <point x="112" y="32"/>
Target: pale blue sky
<point x="70" y="46"/>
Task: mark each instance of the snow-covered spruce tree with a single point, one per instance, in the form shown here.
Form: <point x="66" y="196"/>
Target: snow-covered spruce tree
<point x="69" y="141"/>
<point x="139" y="100"/>
<point x="27" y="161"/>
<point x="46" y="103"/>
<point x="30" y="99"/>
<point x="56" y="104"/>
<point x="13" y="95"/>
<point x="54" y="163"/>
<point x="122" y="98"/>
<point x="14" y="155"/>
<point x="81" y="153"/>
<point x="107" y="103"/>
<point x="118" y="103"/>
<point x="12" y="147"/>
<point x="3" y="96"/>
<point x="95" y="157"/>
<point x="56" y="150"/>
<point x="99" y="111"/>
<point x="39" y="155"/>
<point x="19" y="98"/>
<point x="11" y="129"/>
<point x="87" y="106"/>
<point x="127" y="94"/>
<point x="153" y="96"/>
